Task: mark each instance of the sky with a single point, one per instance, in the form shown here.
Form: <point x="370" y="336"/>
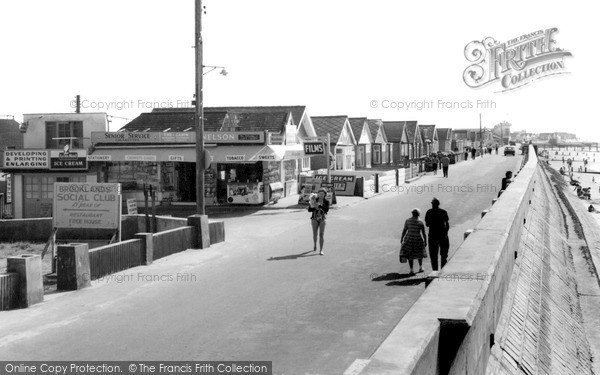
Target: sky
<point x="387" y="59"/>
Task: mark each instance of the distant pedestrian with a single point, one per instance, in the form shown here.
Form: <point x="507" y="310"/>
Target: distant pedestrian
<point x="445" y="164"/>
<point x="413" y="241"/>
<point x="434" y="164"/>
<point x="438" y="222"/>
<point x="473" y="152"/>
<point x="319" y="206"/>
<point x="466" y="154"/>
<point x="496" y="149"/>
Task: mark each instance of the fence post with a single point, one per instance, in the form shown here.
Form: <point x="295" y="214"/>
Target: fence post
<point x="201" y="236"/>
<point x="73" y="267"/>
<point x="31" y="285"/>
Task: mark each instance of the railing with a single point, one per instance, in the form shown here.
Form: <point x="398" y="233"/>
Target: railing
<point x="172" y="241"/>
<point x="114" y="258"/>
<point x="9" y="284"/>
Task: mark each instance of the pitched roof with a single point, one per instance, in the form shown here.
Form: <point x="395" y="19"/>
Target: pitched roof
<point x="215" y="119"/>
<point x="374" y="125"/>
<point x="411" y="131"/>
<point x="10" y="135"/>
<point x="394" y="130"/>
<point x="357" y="124"/>
<point x="428" y="132"/>
<point x="329" y="124"/>
<point x="444" y="134"/>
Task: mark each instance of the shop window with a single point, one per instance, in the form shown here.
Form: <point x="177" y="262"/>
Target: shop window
<point x="305" y="163"/>
<point x="60" y="133"/>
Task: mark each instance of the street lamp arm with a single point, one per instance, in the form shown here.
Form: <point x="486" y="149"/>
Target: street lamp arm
<point x="213" y="67"/>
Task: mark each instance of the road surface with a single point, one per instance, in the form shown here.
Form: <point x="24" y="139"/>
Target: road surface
<point x="262" y="294"/>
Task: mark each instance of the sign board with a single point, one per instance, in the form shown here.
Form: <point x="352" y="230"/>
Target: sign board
<point x="99" y="157"/>
<point x="235" y="157"/>
<point x="132" y="208"/>
<point x="177" y="137"/>
<point x="140" y="157"/>
<point x="27" y="159"/>
<point x="68" y="159"/>
<point x="314" y="148"/>
<point x="309" y="186"/>
<point x="329" y="186"/>
<point x="343" y="184"/>
<point x="87" y="205"/>
<point x="176" y="157"/>
<point x="9" y="188"/>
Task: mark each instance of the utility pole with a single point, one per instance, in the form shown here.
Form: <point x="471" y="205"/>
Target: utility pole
<point x="480" y="137"/>
<point x="200" y="219"/>
<point x="199" y="115"/>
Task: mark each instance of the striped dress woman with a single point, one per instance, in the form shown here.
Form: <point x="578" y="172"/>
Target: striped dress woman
<point x="414" y="241"/>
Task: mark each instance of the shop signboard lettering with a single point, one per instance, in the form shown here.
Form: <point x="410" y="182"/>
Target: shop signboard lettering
<point x="313" y="148"/>
<point x="176" y="158"/>
<point x="99" y="158"/>
<point x="140" y="157"/>
<point x="26" y="159"/>
<point x="177" y="137"/>
<point x="235" y="157"/>
<point x="267" y="157"/>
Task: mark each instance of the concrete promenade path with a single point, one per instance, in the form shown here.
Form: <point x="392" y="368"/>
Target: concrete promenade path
<point x="262" y="294"/>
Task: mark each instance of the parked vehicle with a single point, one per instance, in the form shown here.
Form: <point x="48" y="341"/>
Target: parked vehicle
<point x="509" y="150"/>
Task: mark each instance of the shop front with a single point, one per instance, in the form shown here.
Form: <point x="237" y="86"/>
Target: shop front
<point x="241" y="170"/>
<point x="33" y="174"/>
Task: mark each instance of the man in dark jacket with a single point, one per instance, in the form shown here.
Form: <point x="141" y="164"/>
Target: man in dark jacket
<point x="438" y="222"/>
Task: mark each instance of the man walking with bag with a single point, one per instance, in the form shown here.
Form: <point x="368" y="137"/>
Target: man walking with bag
<point x="438" y="222"/>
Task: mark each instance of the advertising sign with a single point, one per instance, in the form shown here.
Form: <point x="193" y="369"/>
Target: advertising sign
<point x="343" y="184"/>
<point x="309" y="186"/>
<point x="87" y="205"/>
<point x="9" y="188"/>
<point x="132" y="208"/>
<point x="313" y="148"/>
<point x="68" y="159"/>
<point x="26" y="159"/>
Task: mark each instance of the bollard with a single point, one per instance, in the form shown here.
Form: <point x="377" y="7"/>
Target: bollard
<point x="73" y="267"/>
<point x="467" y="233"/>
<point x="31" y="285"/>
<point x="484" y="212"/>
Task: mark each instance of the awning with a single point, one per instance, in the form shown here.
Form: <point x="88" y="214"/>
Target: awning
<point x="219" y="154"/>
<point x="149" y="154"/>
<point x="278" y="153"/>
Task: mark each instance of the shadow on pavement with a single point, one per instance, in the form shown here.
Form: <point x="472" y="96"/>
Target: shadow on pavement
<point x="409" y="282"/>
<point x="305" y="254"/>
<point x="397" y="279"/>
<point x="390" y="276"/>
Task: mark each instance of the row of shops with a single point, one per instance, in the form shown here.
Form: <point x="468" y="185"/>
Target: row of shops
<point x="257" y="154"/>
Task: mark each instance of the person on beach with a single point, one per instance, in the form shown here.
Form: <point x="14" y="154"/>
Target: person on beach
<point x="413" y="241"/>
<point x="319" y="207"/>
